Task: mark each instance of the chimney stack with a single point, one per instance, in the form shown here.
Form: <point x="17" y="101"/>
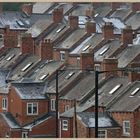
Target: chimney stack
<point x="134" y="76"/>
<point x="87" y="60"/>
<point x="90" y="12"/>
<point x="10" y="38"/>
<point x="58" y="15"/>
<point x="127" y="36"/>
<point x="27" y="9"/>
<point x="27" y="43"/>
<point x="73" y="22"/>
<point x="109" y="64"/>
<point x="46" y="50"/>
<point x="135" y="6"/>
<point x="108" y="31"/>
<point x="115" y="5"/>
<point x="91" y="27"/>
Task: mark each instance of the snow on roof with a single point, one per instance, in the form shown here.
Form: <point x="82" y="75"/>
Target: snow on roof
<point x="116" y="22"/>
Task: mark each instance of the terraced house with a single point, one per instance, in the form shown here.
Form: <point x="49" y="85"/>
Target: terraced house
<point x="49" y="52"/>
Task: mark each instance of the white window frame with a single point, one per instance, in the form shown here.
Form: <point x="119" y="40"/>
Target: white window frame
<point x="53" y="104"/>
<point x="67" y="107"/>
<point x="124" y="128"/>
<point x="25" y="134"/>
<point x="4" y="103"/>
<point x="102" y="135"/>
<point x="62" y="55"/>
<point x="65" y="125"/>
<point x="32" y="104"/>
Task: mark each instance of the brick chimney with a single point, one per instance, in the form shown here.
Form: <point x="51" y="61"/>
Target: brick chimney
<point x="87" y="60"/>
<point x="135" y="6"/>
<point x="58" y="15"/>
<point x="89" y="12"/>
<point x="1" y="7"/>
<point x="134" y="76"/>
<point x="108" y="31"/>
<point x="127" y="35"/>
<point x="115" y="5"/>
<point x="10" y="38"/>
<point x="109" y="64"/>
<point x="27" y="43"/>
<point x="73" y="22"/>
<point x="27" y="9"/>
<point x="91" y="27"/>
<point x="46" y="50"/>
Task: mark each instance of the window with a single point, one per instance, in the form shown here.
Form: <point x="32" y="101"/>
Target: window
<point x="126" y="127"/>
<point x="67" y="107"/>
<point x="102" y="133"/>
<point x="32" y="108"/>
<point x="4" y="103"/>
<point x="97" y="67"/>
<point x="65" y="125"/>
<point x="24" y="134"/>
<point x="84" y="49"/>
<point x="10" y="57"/>
<point x="43" y="76"/>
<point x="52" y="104"/>
<point x="115" y="89"/>
<point x="70" y="75"/>
<point x="62" y="55"/>
<point x="135" y="91"/>
<point x="103" y="51"/>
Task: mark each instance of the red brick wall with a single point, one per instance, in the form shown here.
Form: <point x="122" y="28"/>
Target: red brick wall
<point x="27" y="8"/>
<point x="4" y="128"/>
<point x="120" y="117"/>
<point x="63" y="103"/>
<point x="46" y="128"/>
<point x="16" y="134"/>
<point x="22" y="118"/>
<point x="136" y="6"/>
<point x="69" y="133"/>
<point x="72" y="60"/>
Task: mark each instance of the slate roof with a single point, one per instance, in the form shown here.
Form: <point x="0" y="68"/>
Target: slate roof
<point x="104" y="120"/>
<point x="30" y="91"/>
<point x="10" y="120"/>
<point x="127" y="102"/>
<point x="93" y="40"/>
<point x="128" y="55"/>
<point x="110" y="47"/>
<point x="134" y="21"/>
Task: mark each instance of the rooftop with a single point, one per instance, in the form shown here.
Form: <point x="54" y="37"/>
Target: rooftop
<point x="129" y="101"/>
<point x="107" y="50"/>
<point x="28" y="91"/>
<point x="104" y="120"/>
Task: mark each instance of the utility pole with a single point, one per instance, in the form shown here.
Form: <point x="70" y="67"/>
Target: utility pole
<point x="76" y="131"/>
<point x="56" y="104"/>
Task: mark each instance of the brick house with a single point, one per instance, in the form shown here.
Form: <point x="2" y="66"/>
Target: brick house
<point x="32" y="112"/>
<point x="108" y="128"/>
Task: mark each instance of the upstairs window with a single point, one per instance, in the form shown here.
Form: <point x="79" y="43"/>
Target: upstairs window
<point x="24" y="134"/>
<point x="62" y="55"/>
<point x="67" y="107"/>
<point x="4" y="103"/>
<point x="52" y="104"/>
<point x="32" y="108"/>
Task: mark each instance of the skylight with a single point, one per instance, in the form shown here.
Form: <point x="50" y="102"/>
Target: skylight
<point x="70" y="75"/>
<point x="43" y="76"/>
<point x="115" y="89"/>
<point x="26" y="67"/>
<point x="103" y="51"/>
<point x="84" y="49"/>
<point x="135" y="91"/>
<point x="10" y="57"/>
<point x="60" y="29"/>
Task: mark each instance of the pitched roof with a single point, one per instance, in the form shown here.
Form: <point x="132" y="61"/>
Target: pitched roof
<point x="128" y="102"/>
<point x="104" y="120"/>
